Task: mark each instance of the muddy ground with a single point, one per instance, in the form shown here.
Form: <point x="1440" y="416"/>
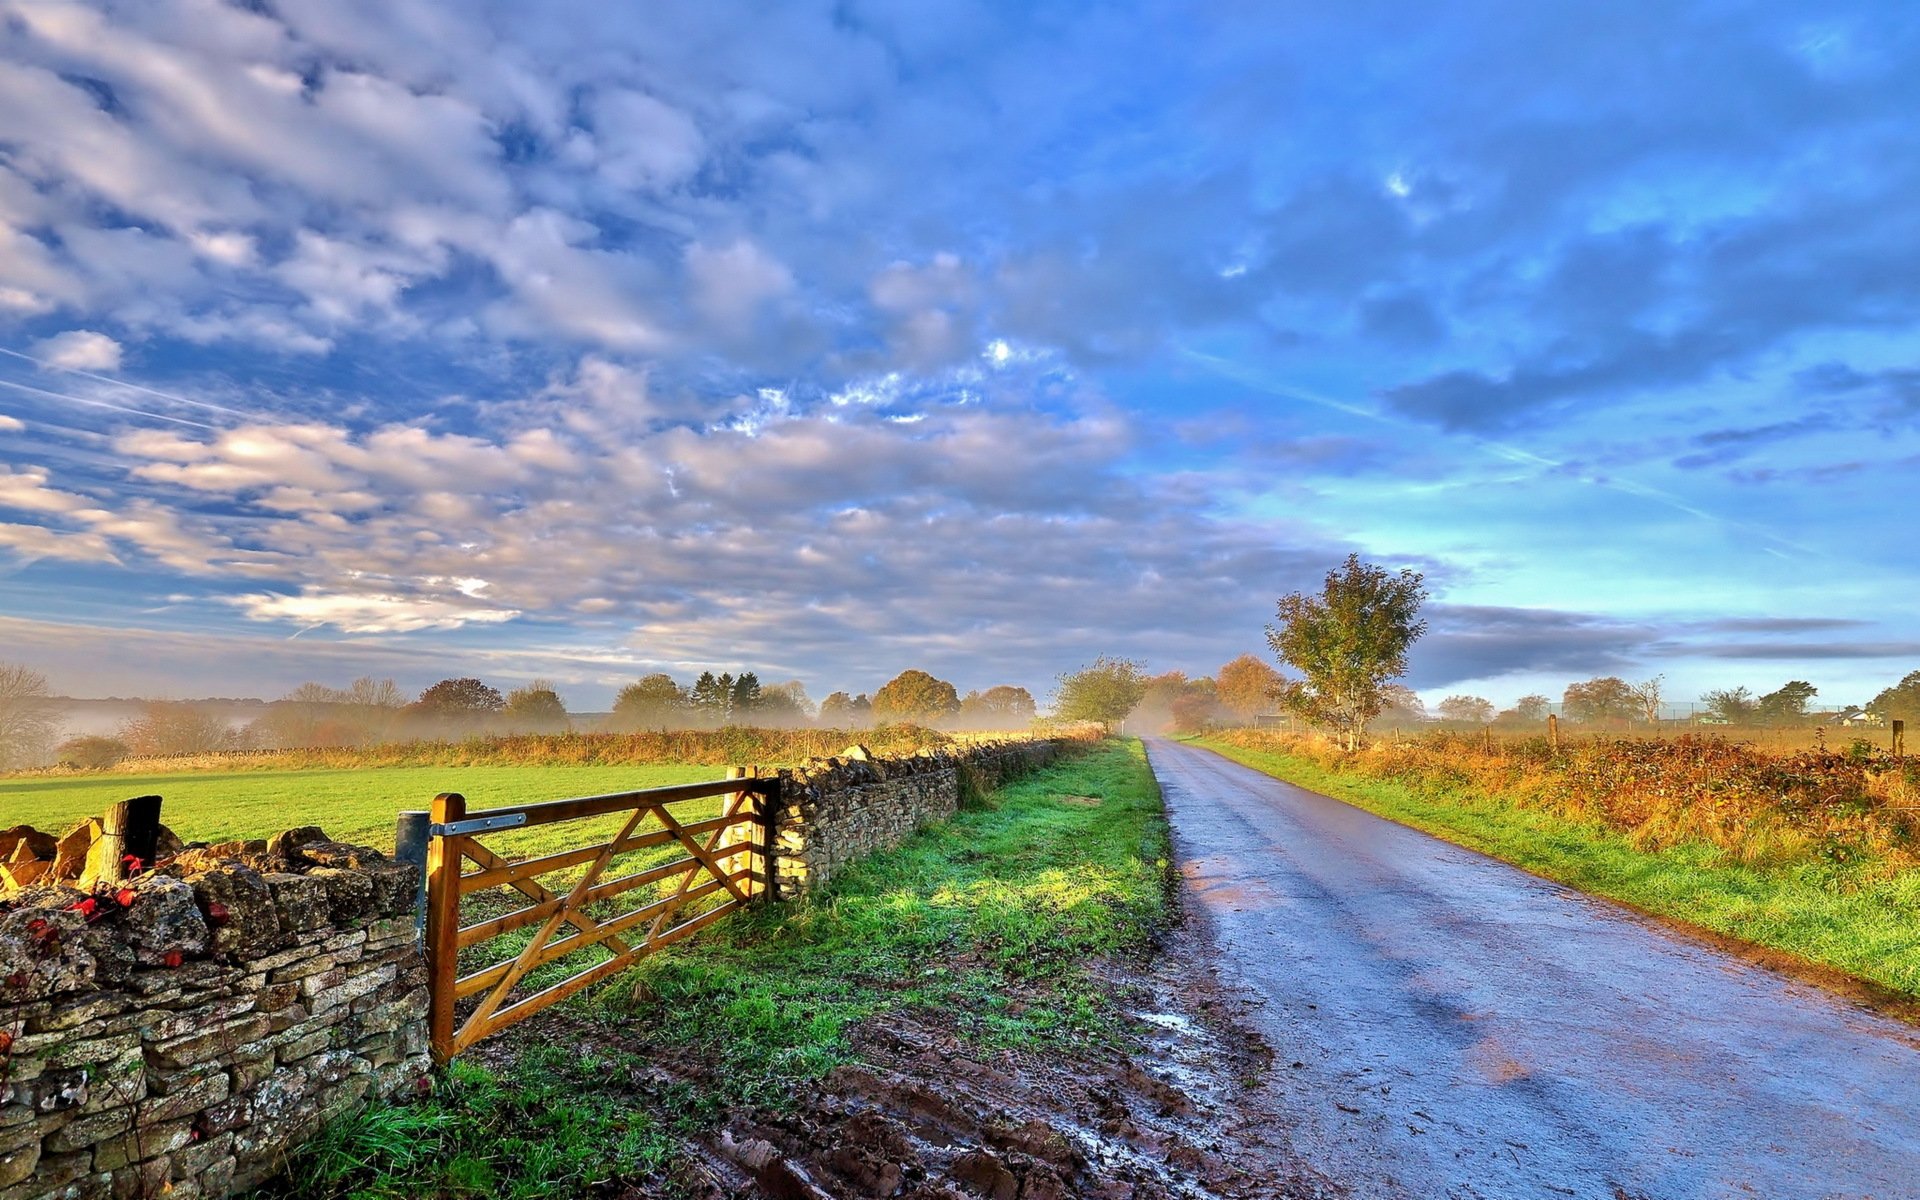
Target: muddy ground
<point x="925" y="1114"/>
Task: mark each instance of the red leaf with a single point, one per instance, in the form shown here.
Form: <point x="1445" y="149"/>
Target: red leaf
<point x="6" y="1041"/>
<point x="125" y="896"/>
<point x="216" y="912"/>
<point x="173" y="958"/>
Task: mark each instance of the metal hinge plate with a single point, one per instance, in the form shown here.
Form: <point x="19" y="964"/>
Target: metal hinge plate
<point x="478" y="824"/>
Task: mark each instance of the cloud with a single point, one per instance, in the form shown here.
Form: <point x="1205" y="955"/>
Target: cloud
<point x="80" y="349"/>
<point x="368" y="613"/>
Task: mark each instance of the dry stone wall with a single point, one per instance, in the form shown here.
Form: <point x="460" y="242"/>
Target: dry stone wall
<point x="835" y="810"/>
<point x="177" y="1034"/>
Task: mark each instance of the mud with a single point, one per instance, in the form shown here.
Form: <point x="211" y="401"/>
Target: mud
<point x="1178" y="1114"/>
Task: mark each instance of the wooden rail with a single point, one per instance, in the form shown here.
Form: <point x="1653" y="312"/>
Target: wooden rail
<point x="726" y="857"/>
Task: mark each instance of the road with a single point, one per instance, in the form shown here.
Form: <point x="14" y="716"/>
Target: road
<point x="1450" y="1026"/>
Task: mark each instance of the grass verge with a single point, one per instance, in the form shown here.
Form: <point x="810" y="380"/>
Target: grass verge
<point x="1853" y="919"/>
<point x="992" y="920"/>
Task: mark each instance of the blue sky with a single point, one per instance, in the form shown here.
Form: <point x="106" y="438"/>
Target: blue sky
<point x="586" y="340"/>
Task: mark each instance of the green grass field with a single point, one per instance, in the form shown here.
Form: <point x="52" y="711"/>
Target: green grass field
<point x="355" y="805"/>
<point x="1858" y="919"/>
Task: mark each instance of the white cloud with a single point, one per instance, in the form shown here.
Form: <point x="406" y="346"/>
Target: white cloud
<point x="368" y="613"/>
<point x="642" y="142"/>
<point x="11" y="424"/>
<point x="731" y="282"/>
<point x="80" y="349"/>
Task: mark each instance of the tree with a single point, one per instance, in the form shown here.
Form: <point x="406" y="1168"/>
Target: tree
<point x="27" y="721"/>
<point x="841" y="711"/>
<point x="1192" y="712"/>
<point x="1105" y="691"/>
<point x="1404" y="709"/>
<point x="1247" y="687"/>
<point x="1901" y="702"/>
<point x="915" y="696"/>
<point x="1647" y="694"/>
<point x="743" y="697"/>
<point x="656" y="702"/>
<point x="169" y="727"/>
<point x="370" y="707"/>
<point x="1172" y="701"/>
<point x="1788" y="705"/>
<point x="1348" y="641"/>
<point x="1608" y="698"/>
<point x="536" y="708"/>
<point x="708" y="698"/>
<point x="999" y="707"/>
<point x="461" y="698"/>
<point x="92" y="752"/>
<point x="1731" y="706"/>
<point x="784" y="705"/>
<point x="1466" y="710"/>
<point x="1527" y="710"/>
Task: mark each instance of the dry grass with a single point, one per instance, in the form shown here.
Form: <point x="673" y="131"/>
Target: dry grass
<point x="1763" y="807"/>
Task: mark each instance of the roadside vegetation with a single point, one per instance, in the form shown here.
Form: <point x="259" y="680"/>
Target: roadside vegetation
<point x="996" y="922"/>
<point x="1813" y="853"/>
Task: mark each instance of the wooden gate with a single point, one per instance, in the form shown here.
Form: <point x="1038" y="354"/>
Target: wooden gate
<point x="473" y="991"/>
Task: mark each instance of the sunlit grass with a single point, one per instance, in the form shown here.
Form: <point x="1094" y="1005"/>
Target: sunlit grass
<point x="1856" y="917"/>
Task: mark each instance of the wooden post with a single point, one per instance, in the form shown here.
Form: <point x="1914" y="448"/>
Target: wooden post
<point x="130" y="829"/>
<point x="1899" y="737"/>
<point x="410" y="841"/>
<point x="769" y="800"/>
<point x="443" y="924"/>
<point x="1486" y="738"/>
<point x="1553" y="732"/>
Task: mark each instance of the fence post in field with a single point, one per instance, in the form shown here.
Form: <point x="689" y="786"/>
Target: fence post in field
<point x="769" y="836"/>
<point x="1553" y="732"/>
<point x="1899" y="737"/>
<point x="410" y="839"/>
<point x="129" y="829"/>
<point x="443" y="923"/>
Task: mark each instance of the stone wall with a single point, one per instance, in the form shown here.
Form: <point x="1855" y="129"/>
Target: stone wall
<point x="838" y="809"/>
<point x="179" y="1033"/>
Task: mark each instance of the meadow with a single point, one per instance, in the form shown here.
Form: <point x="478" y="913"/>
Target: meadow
<point x="354" y="804"/>
<point x="1814" y="854"/>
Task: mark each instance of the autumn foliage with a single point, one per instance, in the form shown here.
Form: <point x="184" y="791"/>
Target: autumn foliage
<point x="1850" y="806"/>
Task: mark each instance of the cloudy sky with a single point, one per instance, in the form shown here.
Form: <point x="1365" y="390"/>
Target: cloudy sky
<point x="585" y="340"/>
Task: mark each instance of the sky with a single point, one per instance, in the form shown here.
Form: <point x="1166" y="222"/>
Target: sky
<point x="586" y="340"/>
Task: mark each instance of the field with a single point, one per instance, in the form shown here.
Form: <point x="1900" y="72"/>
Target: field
<point x="1814" y="854"/>
<point x="356" y="804"/>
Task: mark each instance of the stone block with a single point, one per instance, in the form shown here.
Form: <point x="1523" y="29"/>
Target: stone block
<point x="180" y="1023"/>
<point x="194" y="1158"/>
<point x="142" y="1182"/>
<point x="46" y="952"/>
<point x="202" y="1094"/>
<point x="140" y="1145"/>
<point x="306" y="1044"/>
<point x="17" y="1165"/>
<point x="53" y="1174"/>
<point x="163" y="925"/>
<point x="331" y="991"/>
<point x="239" y="909"/>
<point x="208" y="1043"/>
<point x="82" y="1132"/>
<point x="303" y="901"/>
<point x="350" y="893"/>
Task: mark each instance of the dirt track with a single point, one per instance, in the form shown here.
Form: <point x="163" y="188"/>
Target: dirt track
<point x="1449" y="1026"/>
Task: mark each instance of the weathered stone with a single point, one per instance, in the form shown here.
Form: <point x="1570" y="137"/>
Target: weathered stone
<point x="163" y="925"/>
<point x="285" y="844"/>
<point x="85" y="1131"/>
<point x="207" y="1043"/>
<point x="162" y="1082"/>
<point x="332" y="990"/>
<point x="143" y="1181"/>
<point x="92" y="1052"/>
<point x="16" y="1165"/>
<point x="54" y="1172"/>
<point x="239" y="909"/>
<point x="24" y="842"/>
<point x="185" y="1021"/>
<point x="185" y="1102"/>
<point x="341" y="855"/>
<point x="303" y="901"/>
<point x="44" y="952"/>
<point x="349" y="892"/>
<point x="309" y="1042"/>
<point x="395" y="886"/>
<point x="272" y="998"/>
<point x="194" y="1159"/>
<point x="140" y="1144"/>
<point x="117" y="1083"/>
<point x="70" y="853"/>
<point x="75" y="1013"/>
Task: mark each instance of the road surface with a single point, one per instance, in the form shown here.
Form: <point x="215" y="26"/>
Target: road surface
<point x="1450" y="1026"/>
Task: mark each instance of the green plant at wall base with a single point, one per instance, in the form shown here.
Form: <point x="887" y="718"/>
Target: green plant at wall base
<point x="991" y="917"/>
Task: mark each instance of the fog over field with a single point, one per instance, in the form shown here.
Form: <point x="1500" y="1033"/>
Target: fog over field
<point x="412" y="340"/>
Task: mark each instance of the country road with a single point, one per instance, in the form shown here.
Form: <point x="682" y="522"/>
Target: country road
<point x="1449" y="1026"/>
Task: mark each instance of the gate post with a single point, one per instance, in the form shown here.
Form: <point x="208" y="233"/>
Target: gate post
<point x="769" y="801"/>
<point x="443" y="922"/>
<point x="410" y="841"/>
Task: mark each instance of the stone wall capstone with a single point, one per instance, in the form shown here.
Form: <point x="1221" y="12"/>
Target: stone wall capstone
<point x="178" y="1034"/>
<point x="838" y="809"/>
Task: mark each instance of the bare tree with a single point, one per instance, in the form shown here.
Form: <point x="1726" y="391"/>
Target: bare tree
<point x="1646" y="694"/>
<point x="27" y="722"/>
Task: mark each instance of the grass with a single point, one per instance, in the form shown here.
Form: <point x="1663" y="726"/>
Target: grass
<point x="989" y="920"/>
<point x="353" y="804"/>
<point x="1853" y="916"/>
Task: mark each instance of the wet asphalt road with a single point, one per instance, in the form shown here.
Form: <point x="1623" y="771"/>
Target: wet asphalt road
<point x="1464" y="1029"/>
